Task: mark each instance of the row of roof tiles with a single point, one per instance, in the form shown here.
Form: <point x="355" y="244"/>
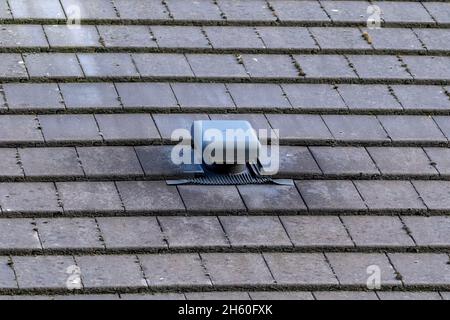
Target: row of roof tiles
<point x="228" y="10"/>
<point x="22" y="97"/>
<point x="225" y="66"/>
<point x="126" y="129"/>
<point x="117" y="162"/>
<point x="233" y="233"/>
<point x="210" y="270"/>
<point x="251" y="295"/>
<point x="223" y="37"/>
<point x="150" y="197"/>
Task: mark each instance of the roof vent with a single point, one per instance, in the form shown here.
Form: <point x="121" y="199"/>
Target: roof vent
<point x="228" y="152"/>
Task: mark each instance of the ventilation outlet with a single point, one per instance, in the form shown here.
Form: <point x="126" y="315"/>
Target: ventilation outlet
<point x="225" y="152"/>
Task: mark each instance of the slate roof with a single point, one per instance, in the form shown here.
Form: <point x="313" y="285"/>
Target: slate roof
<point x="85" y="125"/>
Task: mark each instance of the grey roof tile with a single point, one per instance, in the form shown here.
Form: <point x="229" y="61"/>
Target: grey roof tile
<point x="413" y="97"/>
<point x="314" y="96"/>
<point x="428" y="67"/>
<point x="211" y="198"/>
<point x="203" y="96"/>
<point x="300" y="268"/>
<point x="401" y="295"/>
<point x="50" y="162"/>
<point x="175" y="270"/>
<point x="22" y="36"/>
<point x="90" y="95"/>
<point x="233" y="37"/>
<point x="444" y="125"/>
<point x="368" y="97"/>
<point x="286" y="37"/>
<point x="346" y="11"/>
<point x="44" y="272"/>
<point x="281" y="295"/>
<point x="394" y="39"/>
<point x="440" y="158"/>
<point x="246" y="10"/>
<point x="13" y="66"/>
<point x="269" y="198"/>
<point x="339" y="38"/>
<point x="373" y="231"/>
<point x="422" y="269"/>
<point x="325" y="66"/>
<point x="379" y="67"/>
<point x="97" y="9"/>
<point x="89" y="197"/>
<point x="330" y="195"/>
<point x="25" y="96"/>
<point x="162" y="65"/>
<point x="434" y="39"/>
<point x="435" y="194"/>
<point x="18" y="234"/>
<point x="69" y="128"/>
<point x="412" y="128"/>
<point x="180" y="36"/>
<point x="402" y="161"/>
<point x="258" y="96"/>
<point x="294" y="10"/>
<point x="167" y="123"/>
<point x="111" y="271"/>
<point x="203" y="10"/>
<point x="156" y="161"/>
<point x="4" y="10"/>
<point x="11" y="166"/>
<point x="216" y="66"/>
<point x="344" y="161"/>
<point x="149" y="196"/>
<point x="403" y="12"/>
<point x="53" y="65"/>
<point x="146" y="95"/>
<point x="109" y="161"/>
<point x="270" y="66"/>
<point x="78" y="233"/>
<point x="300" y="127"/>
<point x="352" y="268"/>
<point x="126" y="36"/>
<point x="389" y="195"/>
<point x="61" y="36"/>
<point x="108" y="65"/>
<point x="297" y="161"/>
<point x="131" y="232"/>
<point x="345" y="295"/>
<point x="7" y="276"/>
<point x="429" y="231"/>
<point x="141" y="9"/>
<point x="237" y="269"/>
<point x="120" y="127"/>
<point x="45" y="9"/>
<point x="355" y="128"/>
<point x="439" y="10"/>
<point x="218" y="295"/>
<point x="255" y="231"/>
<point x="184" y="232"/>
<point x="26" y="197"/>
<point x="154" y="296"/>
<point x="316" y="231"/>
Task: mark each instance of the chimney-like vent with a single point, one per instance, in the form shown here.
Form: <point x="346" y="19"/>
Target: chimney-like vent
<point x="226" y="152"/>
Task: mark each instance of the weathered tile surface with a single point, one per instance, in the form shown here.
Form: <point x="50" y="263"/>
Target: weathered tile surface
<point x="422" y="269"/>
<point x="130" y="232"/>
<point x="89" y="197"/>
<point x="255" y="231"/>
